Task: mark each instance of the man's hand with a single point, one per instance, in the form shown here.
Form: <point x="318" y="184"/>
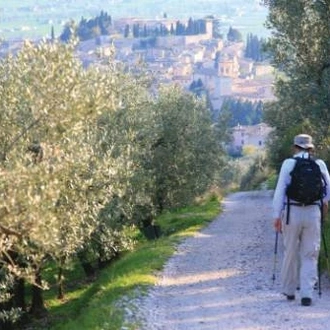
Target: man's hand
<point x="278" y="225"/>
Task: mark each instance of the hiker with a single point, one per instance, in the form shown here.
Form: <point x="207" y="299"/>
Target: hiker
<point x="300" y="224"/>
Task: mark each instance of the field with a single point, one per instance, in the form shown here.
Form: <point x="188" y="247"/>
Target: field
<point x="34" y="18"/>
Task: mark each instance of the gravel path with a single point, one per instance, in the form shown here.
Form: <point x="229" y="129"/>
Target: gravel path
<point x="221" y="279"/>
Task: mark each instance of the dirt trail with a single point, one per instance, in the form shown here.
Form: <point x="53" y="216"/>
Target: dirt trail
<point x="221" y="279"/>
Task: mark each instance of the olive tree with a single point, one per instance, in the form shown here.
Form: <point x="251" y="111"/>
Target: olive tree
<point x="186" y="153"/>
<point x="86" y="153"/>
<point x="300" y="47"/>
<point x="124" y="133"/>
<point x="50" y="174"/>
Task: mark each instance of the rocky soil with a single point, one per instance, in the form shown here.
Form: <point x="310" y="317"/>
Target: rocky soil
<point x="222" y="279"/>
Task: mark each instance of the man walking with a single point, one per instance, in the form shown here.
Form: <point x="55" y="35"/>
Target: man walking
<point x="300" y="224"/>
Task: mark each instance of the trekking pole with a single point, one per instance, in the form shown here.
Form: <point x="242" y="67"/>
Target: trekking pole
<point x="325" y="250"/>
<point x="275" y="255"/>
<point x="319" y="276"/>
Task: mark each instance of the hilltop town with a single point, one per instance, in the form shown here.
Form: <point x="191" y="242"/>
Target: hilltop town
<point x="219" y="64"/>
<point x="182" y="59"/>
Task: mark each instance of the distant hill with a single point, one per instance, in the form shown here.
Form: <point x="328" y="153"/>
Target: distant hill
<point x="34" y="18"/>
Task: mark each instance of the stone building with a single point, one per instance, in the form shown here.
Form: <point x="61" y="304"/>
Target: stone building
<point x="255" y="135"/>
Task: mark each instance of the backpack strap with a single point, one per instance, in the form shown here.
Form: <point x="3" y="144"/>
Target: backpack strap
<point x="287" y="210"/>
<point x="287" y="197"/>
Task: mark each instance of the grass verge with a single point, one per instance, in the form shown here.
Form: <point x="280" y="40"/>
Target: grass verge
<point x="94" y="306"/>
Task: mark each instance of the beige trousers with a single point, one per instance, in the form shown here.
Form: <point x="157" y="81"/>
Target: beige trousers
<point x="301" y="239"/>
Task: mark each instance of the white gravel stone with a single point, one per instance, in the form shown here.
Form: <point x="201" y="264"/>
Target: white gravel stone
<point x="221" y="279"/>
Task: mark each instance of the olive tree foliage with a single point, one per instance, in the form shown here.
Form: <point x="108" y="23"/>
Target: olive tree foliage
<point x="84" y="153"/>
<point x="186" y="156"/>
<point x="301" y="53"/>
<point x="50" y="170"/>
<point x="54" y="177"/>
<point x="164" y="144"/>
<point x="124" y="135"/>
<point x="37" y="102"/>
<point x="166" y="148"/>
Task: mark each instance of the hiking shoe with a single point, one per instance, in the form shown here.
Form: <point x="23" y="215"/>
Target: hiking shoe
<point x="306" y="301"/>
<point x="290" y="296"/>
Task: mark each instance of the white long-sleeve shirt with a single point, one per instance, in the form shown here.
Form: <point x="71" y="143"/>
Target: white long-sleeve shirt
<point x="284" y="180"/>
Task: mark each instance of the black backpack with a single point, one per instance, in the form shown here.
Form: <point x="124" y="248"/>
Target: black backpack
<point x="307" y="184"/>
